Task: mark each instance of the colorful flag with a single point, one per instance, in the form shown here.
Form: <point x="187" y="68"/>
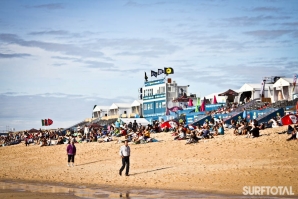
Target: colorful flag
<point x="175" y="109"/>
<point x="50" y="122"/>
<point x="203" y="106"/>
<point x="153" y="73"/>
<point x="160" y="71"/>
<point x="146" y="77"/>
<point x="214" y="100"/>
<point x="198" y="104"/>
<point x="294" y="81"/>
<point x="169" y="70"/>
<point x="42" y="122"/>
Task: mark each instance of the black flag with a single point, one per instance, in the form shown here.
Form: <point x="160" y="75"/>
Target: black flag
<point x="146" y="78"/>
<point x="153" y="73"/>
<point x="160" y="71"/>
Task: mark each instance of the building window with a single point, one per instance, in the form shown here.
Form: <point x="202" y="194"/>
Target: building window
<point x="163" y="104"/>
<point x="145" y="106"/>
<point x="162" y="89"/>
<point x="156" y="105"/>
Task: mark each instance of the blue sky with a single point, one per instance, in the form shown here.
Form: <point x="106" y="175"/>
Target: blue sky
<point x="60" y="58"/>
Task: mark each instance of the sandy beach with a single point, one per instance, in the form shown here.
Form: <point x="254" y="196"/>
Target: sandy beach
<point x="221" y="165"/>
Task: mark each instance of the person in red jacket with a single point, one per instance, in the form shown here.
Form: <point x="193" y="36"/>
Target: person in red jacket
<point x="71" y="152"/>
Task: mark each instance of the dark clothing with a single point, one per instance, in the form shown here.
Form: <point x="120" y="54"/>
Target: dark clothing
<point x="134" y="126"/>
<point x="71" y="158"/>
<point x="206" y="133"/>
<point x="255" y="132"/>
<point x="125" y="162"/>
<point x="27" y="142"/>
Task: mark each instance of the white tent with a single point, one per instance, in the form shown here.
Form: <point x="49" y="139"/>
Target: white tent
<point x="253" y="90"/>
<point x="283" y="89"/>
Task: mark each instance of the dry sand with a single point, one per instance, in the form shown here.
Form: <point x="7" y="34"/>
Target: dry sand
<point x="221" y="165"/>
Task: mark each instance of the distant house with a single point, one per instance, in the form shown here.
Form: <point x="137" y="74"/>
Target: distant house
<point x="136" y="108"/>
<point x="100" y="111"/>
<point x="117" y="110"/>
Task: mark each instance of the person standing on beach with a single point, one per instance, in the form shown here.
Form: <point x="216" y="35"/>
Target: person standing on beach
<point x="71" y="152"/>
<point x="134" y="126"/>
<point x="125" y="153"/>
<point x="244" y="115"/>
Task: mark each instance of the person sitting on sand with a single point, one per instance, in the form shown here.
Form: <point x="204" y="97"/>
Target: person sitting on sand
<point x="221" y="130"/>
<point x="199" y="130"/>
<point x="146" y="134"/>
<point x="193" y="138"/>
<point x="60" y="140"/>
<point x="206" y="132"/>
<point x="274" y="122"/>
<point x="182" y="134"/>
<point x="294" y="135"/>
<point x="243" y="128"/>
<point x="255" y="131"/>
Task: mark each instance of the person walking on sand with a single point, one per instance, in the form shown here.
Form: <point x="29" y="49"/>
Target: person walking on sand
<point x="125" y="153"/>
<point x="71" y="152"/>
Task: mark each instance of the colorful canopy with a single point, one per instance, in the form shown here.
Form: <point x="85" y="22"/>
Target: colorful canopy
<point x="228" y="92"/>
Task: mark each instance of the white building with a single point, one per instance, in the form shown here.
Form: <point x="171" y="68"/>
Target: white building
<point x="136" y="108"/>
<point x="117" y="110"/>
<point x="282" y="89"/>
<point x="100" y="111"/>
<point x="160" y="94"/>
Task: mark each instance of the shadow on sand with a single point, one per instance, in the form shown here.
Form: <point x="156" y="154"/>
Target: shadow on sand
<point x="91" y="162"/>
<point x="150" y="171"/>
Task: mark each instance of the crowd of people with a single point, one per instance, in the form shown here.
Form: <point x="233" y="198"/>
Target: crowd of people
<point x="139" y="134"/>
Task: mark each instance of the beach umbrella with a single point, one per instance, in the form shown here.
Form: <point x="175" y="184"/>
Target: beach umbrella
<point x="203" y="106"/>
<point x="289" y="119"/>
<point x="214" y="100"/>
<point x="198" y="104"/>
<point x="228" y="92"/>
<point x="33" y="130"/>
<point x="169" y="124"/>
<point x="94" y="125"/>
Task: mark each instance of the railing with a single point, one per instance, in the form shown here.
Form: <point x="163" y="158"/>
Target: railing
<point x="78" y="124"/>
<point x="248" y="104"/>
